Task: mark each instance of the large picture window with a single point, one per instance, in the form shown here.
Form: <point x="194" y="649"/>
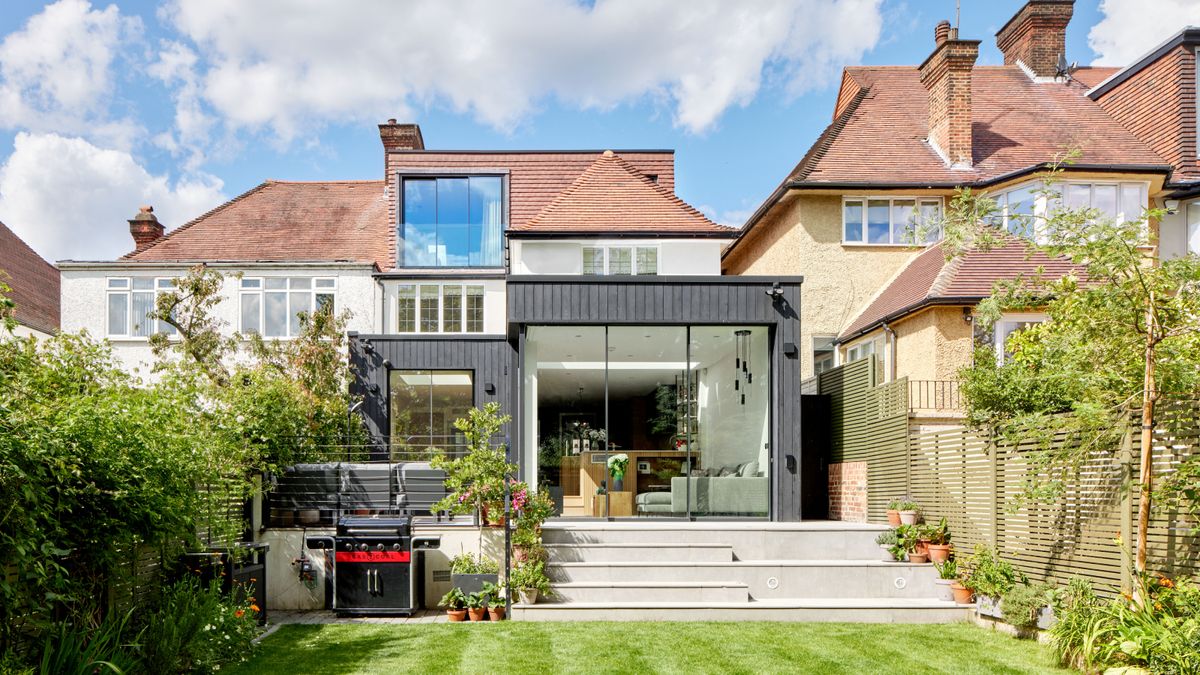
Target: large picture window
<point x="439" y="308"/>
<point x="272" y="306"/>
<point x="886" y="220"/>
<point x="130" y="302"/>
<point x="423" y="407"/>
<point x="452" y="222"/>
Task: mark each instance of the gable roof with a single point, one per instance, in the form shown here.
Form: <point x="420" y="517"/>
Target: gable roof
<point x="930" y="279"/>
<point x="611" y="196"/>
<point x="34" y="283"/>
<point x="280" y="221"/>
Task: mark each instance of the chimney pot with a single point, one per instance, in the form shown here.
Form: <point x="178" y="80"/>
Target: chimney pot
<point x="145" y="228"/>
<point x="1036" y="36"/>
<point x="941" y="32"/>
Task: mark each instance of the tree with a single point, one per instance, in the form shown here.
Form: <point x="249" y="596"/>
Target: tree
<point x="1121" y="335"/>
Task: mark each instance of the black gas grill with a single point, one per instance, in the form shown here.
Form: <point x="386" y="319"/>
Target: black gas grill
<point x="371" y="567"/>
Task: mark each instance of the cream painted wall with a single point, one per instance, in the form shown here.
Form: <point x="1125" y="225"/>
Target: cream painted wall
<point x="495" y="304"/>
<point x="804" y="237"/>
<point x="84" y="299"/>
<point x="683" y="257"/>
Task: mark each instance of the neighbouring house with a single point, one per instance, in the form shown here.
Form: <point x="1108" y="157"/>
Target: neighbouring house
<point x="34" y="283"/>
<point x="904" y="138"/>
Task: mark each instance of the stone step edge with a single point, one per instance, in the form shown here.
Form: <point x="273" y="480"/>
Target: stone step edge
<point x="749" y="563"/>
<point x="638" y="545"/>
<point x="650" y="584"/>
<point x="775" y="603"/>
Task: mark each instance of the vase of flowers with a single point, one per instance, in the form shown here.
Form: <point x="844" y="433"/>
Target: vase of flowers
<point x="617" y="465"/>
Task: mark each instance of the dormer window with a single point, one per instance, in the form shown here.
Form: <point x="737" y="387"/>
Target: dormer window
<point x="452" y="221"/>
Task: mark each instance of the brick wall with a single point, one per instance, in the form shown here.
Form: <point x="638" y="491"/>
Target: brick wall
<point x="946" y="75"/>
<point x="1036" y="36"/>
<point x="848" y="491"/>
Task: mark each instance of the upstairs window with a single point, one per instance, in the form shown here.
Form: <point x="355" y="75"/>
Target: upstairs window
<point x="452" y="222"/>
<point x="620" y="260"/>
<point x="130" y="302"/>
<point x="1006" y="327"/>
<point x="1023" y="209"/>
<point x="271" y="306"/>
<point x="887" y="220"/>
<point x="439" y="308"/>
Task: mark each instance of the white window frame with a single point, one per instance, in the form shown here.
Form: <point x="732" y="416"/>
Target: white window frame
<point x="892" y="233"/>
<point x="245" y="288"/>
<point x="1041" y="206"/>
<point x="441" y="300"/>
<point x="633" y="262"/>
<point x="1191" y="228"/>
<point x="1009" y="321"/>
<point x="160" y="285"/>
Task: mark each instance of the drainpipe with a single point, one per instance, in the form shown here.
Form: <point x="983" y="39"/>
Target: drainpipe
<point x="891" y="339"/>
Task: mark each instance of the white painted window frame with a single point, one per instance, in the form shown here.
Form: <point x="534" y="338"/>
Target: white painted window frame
<point x="441" y="296"/>
<point x="312" y="290"/>
<point x="128" y="292"/>
<point x="1041" y="204"/>
<point x="999" y="337"/>
<point x="1192" y="229"/>
<point x="633" y="251"/>
<point x="891" y="199"/>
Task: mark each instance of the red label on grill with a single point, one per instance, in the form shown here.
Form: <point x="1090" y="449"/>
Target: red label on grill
<point x="372" y="556"/>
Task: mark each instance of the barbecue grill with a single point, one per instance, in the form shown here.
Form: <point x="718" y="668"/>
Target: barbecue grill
<point x="370" y="570"/>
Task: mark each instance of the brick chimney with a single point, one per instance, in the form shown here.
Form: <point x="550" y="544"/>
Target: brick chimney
<point x="1036" y="36"/>
<point x="401" y="136"/>
<point x="145" y="228"/>
<point x="946" y="75"/>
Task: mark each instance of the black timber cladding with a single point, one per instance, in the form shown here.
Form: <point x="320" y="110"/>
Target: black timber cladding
<point x="689" y="300"/>
<point x="491" y="358"/>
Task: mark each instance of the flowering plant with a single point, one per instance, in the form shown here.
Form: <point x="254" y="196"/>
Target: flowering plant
<point x="617" y="464"/>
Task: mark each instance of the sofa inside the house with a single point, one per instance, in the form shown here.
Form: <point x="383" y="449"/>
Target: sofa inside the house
<point x="740" y="490"/>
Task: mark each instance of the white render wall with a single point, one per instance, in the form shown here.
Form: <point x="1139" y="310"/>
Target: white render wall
<point x="676" y="257"/>
<point x="85" y="303"/>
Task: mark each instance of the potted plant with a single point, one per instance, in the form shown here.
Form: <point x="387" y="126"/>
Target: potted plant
<point x="477" y="605"/>
<point x="494" y="600"/>
<point x="909" y="512"/>
<point x="524" y="542"/>
<point x="529" y="580"/>
<point x="962" y="589"/>
<point x="455" y="603"/>
<point x="469" y="572"/>
<point x="937" y="541"/>
<point x="909" y="542"/>
<point x="947" y="576"/>
<point x="888" y="541"/>
<point x="893" y="513"/>
<point x="617" y="464"/>
<point x="991" y="578"/>
<point x="475" y="479"/>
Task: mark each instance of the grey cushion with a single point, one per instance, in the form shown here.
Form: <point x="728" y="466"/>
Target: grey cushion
<point x="646" y="498"/>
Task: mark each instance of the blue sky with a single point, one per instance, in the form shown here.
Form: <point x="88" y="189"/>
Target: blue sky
<point x="104" y="106"/>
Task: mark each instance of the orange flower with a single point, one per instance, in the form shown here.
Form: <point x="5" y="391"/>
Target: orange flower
<point x="239" y="614"/>
<point x="255" y="608"/>
<point x="1165" y="582"/>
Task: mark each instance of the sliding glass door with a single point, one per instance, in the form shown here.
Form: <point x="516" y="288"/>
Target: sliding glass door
<point x="649" y="421"/>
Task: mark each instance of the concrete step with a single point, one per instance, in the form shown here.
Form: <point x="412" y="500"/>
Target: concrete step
<point x="650" y="592"/>
<point x="818" y="540"/>
<point x="770" y="579"/>
<point x="640" y="552"/>
<point x="861" y="610"/>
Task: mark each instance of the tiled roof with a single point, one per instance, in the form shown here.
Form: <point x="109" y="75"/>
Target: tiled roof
<point x="1016" y="124"/>
<point x="34" y="283"/>
<point x="929" y="278"/>
<point x="286" y="221"/>
<point x="1090" y="76"/>
<point x="613" y="196"/>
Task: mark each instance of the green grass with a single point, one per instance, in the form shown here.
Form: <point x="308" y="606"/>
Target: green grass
<point x="517" y="647"/>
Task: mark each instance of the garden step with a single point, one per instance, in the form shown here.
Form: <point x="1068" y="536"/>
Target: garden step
<point x="815" y="540"/>
<point x="855" y="610"/>
<point x="770" y="579"/>
<point x="651" y="591"/>
<point x="638" y="552"/>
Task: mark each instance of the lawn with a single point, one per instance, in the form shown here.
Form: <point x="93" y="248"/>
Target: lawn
<point x="516" y="647"/>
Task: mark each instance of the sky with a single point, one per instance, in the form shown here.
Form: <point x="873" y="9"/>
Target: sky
<point x="183" y="104"/>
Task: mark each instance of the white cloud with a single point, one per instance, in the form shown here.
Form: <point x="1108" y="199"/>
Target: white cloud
<point x="56" y="72"/>
<point x="69" y="199"/>
<point x="273" y="64"/>
<point x="176" y="67"/>
<point x="1130" y="28"/>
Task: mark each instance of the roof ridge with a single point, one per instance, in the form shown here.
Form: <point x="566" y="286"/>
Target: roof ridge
<point x="944" y="275"/>
<point x="217" y="209"/>
<point x="352" y="181"/>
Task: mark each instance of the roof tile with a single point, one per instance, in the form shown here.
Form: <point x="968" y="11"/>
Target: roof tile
<point x="34" y="283"/>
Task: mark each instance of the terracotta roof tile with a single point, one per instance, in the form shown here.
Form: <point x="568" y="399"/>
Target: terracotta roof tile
<point x="930" y="278"/>
<point x="34" y="283"/>
<point x="286" y="221"/>
<point x="1017" y="124"/>
<point x="613" y="196"/>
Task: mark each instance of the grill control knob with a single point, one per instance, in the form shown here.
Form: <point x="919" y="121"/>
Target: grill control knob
<point x="378" y="547"/>
<point x="395" y="547"/>
<point x="362" y="547"/>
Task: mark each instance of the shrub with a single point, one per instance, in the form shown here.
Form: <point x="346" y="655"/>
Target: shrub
<point x="990" y="575"/>
<point x="71" y="650"/>
<point x="530" y="575"/>
<point x="1024" y="602"/>
<point x="469" y="563"/>
<point x="196" y="629"/>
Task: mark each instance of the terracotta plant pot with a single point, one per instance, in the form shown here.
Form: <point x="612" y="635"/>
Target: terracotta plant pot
<point x="918" y="558"/>
<point x="908" y="517"/>
<point x="457" y="614"/>
<point x="962" y="594"/>
<point x="939" y="553"/>
<point x="477" y="613"/>
<point x="496" y="613"/>
<point x="893" y="517"/>
<point x="922" y="547"/>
